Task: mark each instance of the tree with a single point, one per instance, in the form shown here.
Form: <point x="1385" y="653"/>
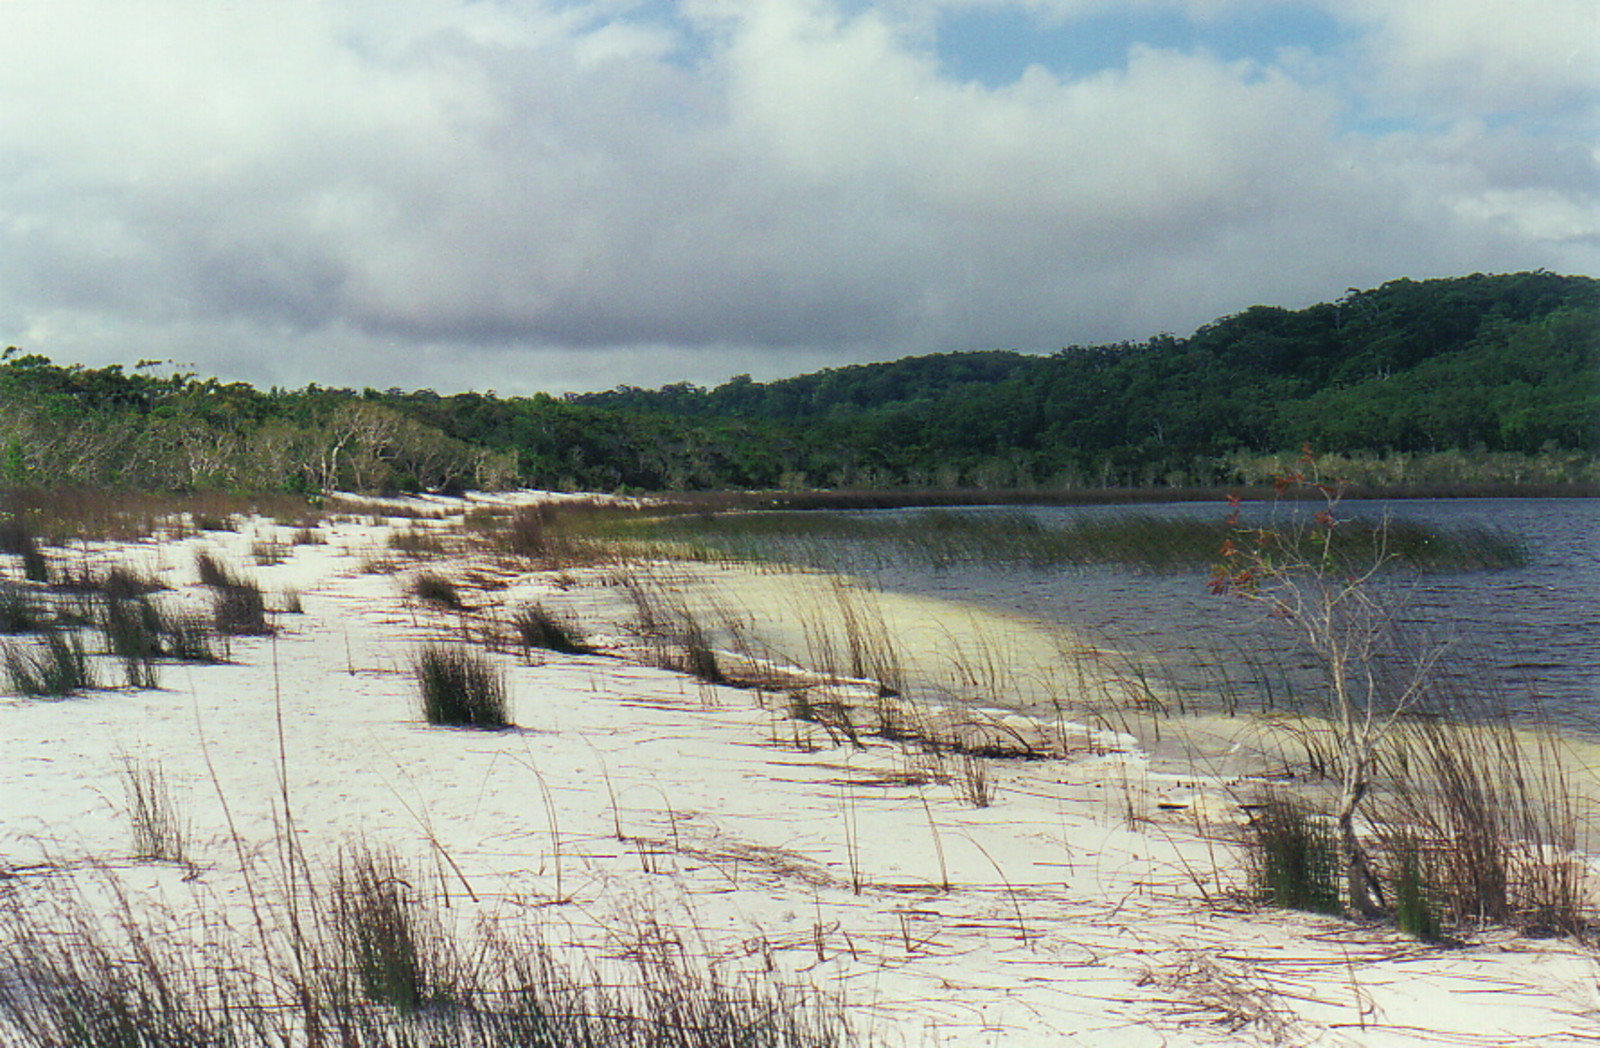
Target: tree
<point x="1318" y="577"/>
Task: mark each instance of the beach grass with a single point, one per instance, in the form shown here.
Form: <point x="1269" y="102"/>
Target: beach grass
<point x="537" y="627"/>
<point x="56" y="666"/>
<point x="430" y="587"/>
<point x="460" y="687"/>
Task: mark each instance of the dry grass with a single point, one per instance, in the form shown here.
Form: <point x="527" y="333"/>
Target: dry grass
<point x="362" y="960"/>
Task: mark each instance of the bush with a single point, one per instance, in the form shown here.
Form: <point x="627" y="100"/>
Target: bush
<point x="1295" y="855"/>
<point x="461" y="687"/>
<point x="55" y="669"/>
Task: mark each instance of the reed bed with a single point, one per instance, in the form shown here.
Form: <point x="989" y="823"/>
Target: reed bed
<point x="56" y="516"/>
<point x="854" y="542"/>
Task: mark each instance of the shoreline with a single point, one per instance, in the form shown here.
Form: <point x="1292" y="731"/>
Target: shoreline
<point x="891" y="498"/>
<point x="1089" y="899"/>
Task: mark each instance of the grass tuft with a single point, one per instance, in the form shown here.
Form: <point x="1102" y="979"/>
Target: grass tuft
<point x="461" y="687"/>
<point x="134" y="630"/>
<point x="18" y="613"/>
<point x="383" y="931"/>
<point x="1415" y="909"/>
<point x="192" y="638"/>
<point x="433" y="588"/>
<point x="55" y="668"/>
<point x="160" y="832"/>
<point x="1295" y="857"/>
<point x="416" y="541"/>
<point x="539" y="628"/>
<point x="240" y="611"/>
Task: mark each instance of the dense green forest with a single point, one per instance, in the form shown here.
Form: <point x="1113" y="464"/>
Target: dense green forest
<point x="1481" y="369"/>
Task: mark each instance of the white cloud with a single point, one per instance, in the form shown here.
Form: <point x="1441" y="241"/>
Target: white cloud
<point x="524" y="194"/>
<point x="1496" y="56"/>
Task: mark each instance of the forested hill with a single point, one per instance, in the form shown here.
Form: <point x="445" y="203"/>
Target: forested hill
<point x="1356" y="345"/>
<point x="1498" y="363"/>
<point x="1498" y="377"/>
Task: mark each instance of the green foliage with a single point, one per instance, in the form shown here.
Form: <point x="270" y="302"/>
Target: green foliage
<point x="1414" y="909"/>
<point x="383" y="931"/>
<point x="461" y="687"/>
<point x="1509" y="364"/>
<point x="1296" y="858"/>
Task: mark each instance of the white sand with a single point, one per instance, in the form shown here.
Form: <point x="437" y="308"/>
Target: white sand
<point x="1073" y="910"/>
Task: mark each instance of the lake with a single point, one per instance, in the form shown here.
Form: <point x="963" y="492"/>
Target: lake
<point x="1531" y="635"/>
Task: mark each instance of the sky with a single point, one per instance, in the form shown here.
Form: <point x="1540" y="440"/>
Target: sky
<point x="561" y="195"/>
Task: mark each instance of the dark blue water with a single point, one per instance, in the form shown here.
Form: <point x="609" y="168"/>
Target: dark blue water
<point x="1530" y="636"/>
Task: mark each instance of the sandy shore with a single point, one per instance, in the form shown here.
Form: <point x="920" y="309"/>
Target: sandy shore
<point x="1093" y="901"/>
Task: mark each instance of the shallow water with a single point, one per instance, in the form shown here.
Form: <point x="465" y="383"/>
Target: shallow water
<point x="1529" y="637"/>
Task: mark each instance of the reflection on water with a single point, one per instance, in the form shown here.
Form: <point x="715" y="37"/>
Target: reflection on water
<point x="1531" y="634"/>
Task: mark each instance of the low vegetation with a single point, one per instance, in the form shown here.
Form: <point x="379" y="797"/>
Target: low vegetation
<point x="832" y="541"/>
<point x="539" y="628"/>
<point x="159" y="827"/>
<point x="365" y="962"/>
<point x="54" y="666"/>
<point x="461" y="687"/>
<point x="430" y="587"/>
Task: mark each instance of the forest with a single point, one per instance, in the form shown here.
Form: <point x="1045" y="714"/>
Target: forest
<point x="1483" y="377"/>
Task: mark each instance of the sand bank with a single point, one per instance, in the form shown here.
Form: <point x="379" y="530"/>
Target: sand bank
<point x="1092" y="900"/>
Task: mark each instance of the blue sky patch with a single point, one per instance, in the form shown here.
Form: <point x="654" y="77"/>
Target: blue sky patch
<point x="994" y="47"/>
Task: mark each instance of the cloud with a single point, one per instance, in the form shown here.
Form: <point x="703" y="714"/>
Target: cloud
<point x="1482" y="56"/>
<point x="555" y="195"/>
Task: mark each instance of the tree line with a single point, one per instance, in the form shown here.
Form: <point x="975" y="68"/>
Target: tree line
<point x="1499" y="365"/>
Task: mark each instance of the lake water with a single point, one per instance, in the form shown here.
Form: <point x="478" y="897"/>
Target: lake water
<point x="1530" y="636"/>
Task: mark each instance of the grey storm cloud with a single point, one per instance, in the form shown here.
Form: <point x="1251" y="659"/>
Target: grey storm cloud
<point x="543" y="195"/>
